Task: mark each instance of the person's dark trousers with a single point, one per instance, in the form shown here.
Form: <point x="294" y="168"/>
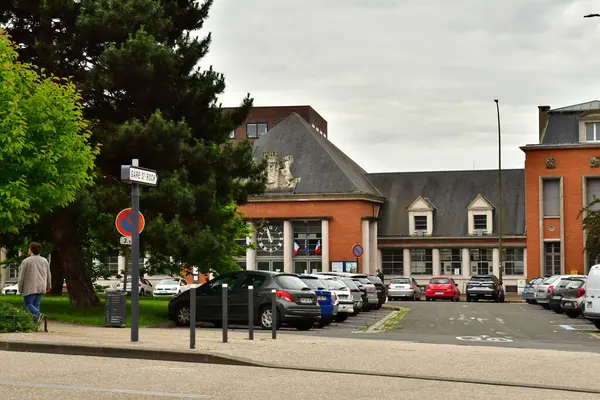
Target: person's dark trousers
<point x="32" y="303"/>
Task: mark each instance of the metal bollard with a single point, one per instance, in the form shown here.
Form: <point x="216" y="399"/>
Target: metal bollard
<point x="274" y="314"/>
<point x="225" y="316"/>
<point x="251" y="312"/>
<point x="192" y="318"/>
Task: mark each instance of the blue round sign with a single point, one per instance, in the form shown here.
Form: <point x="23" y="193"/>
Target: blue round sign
<point x="357" y="250"/>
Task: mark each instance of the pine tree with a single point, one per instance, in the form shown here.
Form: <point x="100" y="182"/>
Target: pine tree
<point x="136" y="64"/>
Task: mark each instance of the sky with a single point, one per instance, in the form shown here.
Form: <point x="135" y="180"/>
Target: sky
<point x="409" y="85"/>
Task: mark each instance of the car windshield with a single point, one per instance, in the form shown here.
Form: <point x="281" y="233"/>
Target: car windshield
<point x="169" y="281"/>
<point x="481" y="278"/>
<point x="575" y="284"/>
<point x="550" y="280"/>
<point x="440" y="281"/>
<point x="375" y="279"/>
<point x="364" y="280"/>
<point x="350" y="283"/>
<point x="564" y="282"/>
<point x="400" y="280"/>
<point x="335" y="285"/>
<point x="290" y="282"/>
<point x="312" y="283"/>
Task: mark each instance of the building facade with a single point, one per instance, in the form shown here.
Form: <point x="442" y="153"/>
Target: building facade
<point x="562" y="177"/>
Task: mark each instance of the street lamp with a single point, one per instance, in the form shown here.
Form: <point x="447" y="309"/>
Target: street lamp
<point x="499" y="192"/>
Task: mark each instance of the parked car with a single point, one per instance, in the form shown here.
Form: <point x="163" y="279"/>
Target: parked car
<point x="382" y="295"/>
<point x="170" y="287"/>
<point x="144" y="287"/>
<point x="404" y="287"/>
<point x="560" y="289"/>
<point x="326" y="299"/>
<point x="344" y="296"/>
<point x="356" y="294"/>
<point x="591" y="309"/>
<point x="545" y="289"/>
<point x="442" y="287"/>
<point x="529" y="291"/>
<point x="371" y="299"/>
<point x="296" y="303"/>
<point x="11" y="289"/>
<point x="485" y="287"/>
<point x="573" y="301"/>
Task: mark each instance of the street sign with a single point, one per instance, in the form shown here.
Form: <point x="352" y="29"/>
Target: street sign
<point x="124" y="222"/>
<point x="357" y="250"/>
<point x="135" y="174"/>
<point x="126" y="240"/>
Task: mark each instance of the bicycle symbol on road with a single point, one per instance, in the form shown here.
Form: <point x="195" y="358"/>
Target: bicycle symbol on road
<point x="484" y="338"/>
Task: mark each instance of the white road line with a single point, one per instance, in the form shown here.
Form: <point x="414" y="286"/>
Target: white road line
<point x="101" y="389"/>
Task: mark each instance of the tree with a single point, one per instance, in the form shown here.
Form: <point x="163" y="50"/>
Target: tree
<point x="135" y="62"/>
<point x="591" y="226"/>
<point x="45" y="154"/>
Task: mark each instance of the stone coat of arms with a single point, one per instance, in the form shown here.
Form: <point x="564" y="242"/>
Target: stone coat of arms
<point x="279" y="174"/>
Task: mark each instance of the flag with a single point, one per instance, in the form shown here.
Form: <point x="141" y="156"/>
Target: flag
<point x="296" y="248"/>
<point x="306" y="244"/>
<point x="318" y="248"/>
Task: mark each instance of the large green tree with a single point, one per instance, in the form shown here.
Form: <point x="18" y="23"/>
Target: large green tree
<point x="591" y="226"/>
<point x="136" y="63"/>
<point x="45" y="155"/>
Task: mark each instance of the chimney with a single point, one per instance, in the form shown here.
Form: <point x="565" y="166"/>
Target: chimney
<point x="543" y="119"/>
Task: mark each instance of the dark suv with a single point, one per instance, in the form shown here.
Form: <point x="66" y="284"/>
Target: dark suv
<point x="486" y="287"/>
<point x="296" y="303"/>
<point x="381" y="289"/>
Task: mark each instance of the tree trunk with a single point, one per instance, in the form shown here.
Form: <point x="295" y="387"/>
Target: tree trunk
<point x="57" y="274"/>
<point x="64" y="232"/>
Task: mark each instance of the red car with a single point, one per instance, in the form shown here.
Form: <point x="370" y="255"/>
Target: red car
<point x="441" y="287"/>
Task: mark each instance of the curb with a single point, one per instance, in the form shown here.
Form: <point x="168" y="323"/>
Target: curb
<point x="206" y="358"/>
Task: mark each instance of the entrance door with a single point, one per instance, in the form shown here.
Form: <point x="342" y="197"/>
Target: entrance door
<point x="270" y="265"/>
<point x="308" y="266"/>
<point x="552" y="258"/>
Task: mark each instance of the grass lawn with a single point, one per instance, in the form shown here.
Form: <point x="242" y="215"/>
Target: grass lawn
<point x="152" y="311"/>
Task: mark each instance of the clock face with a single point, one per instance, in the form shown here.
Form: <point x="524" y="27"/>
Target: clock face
<point x="270" y="239"/>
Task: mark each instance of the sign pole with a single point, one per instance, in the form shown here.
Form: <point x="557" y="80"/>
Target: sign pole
<point x="135" y="258"/>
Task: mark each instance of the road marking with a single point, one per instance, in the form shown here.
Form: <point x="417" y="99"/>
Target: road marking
<point x="579" y="327"/>
<point x="484" y="338"/>
<point x="101" y="389"/>
<point x="567" y="327"/>
<point x="596" y="335"/>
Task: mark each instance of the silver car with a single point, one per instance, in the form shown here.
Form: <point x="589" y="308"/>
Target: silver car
<point x="403" y="287"/>
<point x="544" y="289"/>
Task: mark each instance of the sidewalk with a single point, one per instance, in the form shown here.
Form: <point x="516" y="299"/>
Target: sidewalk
<point x="292" y="351"/>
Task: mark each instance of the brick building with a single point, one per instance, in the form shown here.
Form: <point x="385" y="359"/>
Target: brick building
<point x="562" y="176"/>
<point x="262" y="119"/>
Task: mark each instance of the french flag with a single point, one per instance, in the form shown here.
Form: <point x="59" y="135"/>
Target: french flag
<point x="318" y="248"/>
<point x="296" y="248"/>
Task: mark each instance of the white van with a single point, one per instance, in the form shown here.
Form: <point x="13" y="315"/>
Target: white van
<point x="592" y="296"/>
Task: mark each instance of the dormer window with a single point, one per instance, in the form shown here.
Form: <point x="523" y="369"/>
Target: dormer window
<point x="592" y="131"/>
<point x="420" y="217"/>
<point x="480" y="214"/>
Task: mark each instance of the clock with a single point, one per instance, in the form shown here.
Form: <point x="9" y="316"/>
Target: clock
<point x="270" y="239"/>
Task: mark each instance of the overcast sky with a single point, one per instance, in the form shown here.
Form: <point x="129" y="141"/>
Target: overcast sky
<point x="408" y="85"/>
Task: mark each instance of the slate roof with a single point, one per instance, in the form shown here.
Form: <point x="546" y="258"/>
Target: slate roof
<point x="563" y="123"/>
<point x="451" y="192"/>
<point x="320" y="165"/>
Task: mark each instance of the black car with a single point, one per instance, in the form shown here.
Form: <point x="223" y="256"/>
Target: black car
<point x="296" y="303"/>
<point x="560" y="291"/>
<point x="371" y="299"/>
<point x="381" y="289"/>
<point x="486" y="287"/>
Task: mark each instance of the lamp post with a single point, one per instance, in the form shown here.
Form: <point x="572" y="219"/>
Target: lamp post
<point x="501" y="272"/>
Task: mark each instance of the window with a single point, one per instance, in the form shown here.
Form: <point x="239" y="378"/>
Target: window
<point x="421" y="262"/>
<point x="254" y="280"/>
<point x="13" y="272"/>
<point x="440" y="281"/>
<point x="307" y="239"/>
<point x="232" y="134"/>
<point x="256" y="130"/>
<point x="289" y="282"/>
<point x="551" y="258"/>
<point x="513" y="261"/>
<point x="392" y="262"/>
<point x="481" y="262"/>
<point x="551" y="197"/>
<point x="480" y="222"/>
<point x="592" y="191"/>
<point x="420" y="223"/>
<point x="214" y="286"/>
<point x="592" y="131"/>
<point x="112" y="263"/>
<point x="451" y="261"/>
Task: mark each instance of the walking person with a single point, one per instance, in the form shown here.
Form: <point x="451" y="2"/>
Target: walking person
<point x="379" y="274"/>
<point x="34" y="280"/>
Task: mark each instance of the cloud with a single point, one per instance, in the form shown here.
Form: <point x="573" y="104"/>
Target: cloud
<point x="408" y="85"/>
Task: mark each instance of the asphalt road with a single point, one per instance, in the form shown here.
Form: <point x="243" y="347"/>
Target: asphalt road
<point x="45" y="376"/>
<point x="517" y="325"/>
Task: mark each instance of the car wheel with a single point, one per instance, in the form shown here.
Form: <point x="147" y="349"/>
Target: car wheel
<point x="572" y="314"/>
<point x="469" y="299"/>
<point x="416" y="298"/>
<point x="265" y="317"/>
<point x="182" y="315"/>
<point x="303" y="326"/>
<point x="341" y="317"/>
<point x="356" y="312"/>
<point x="379" y="305"/>
<point x="596" y="323"/>
<point x="546" y="306"/>
<point x="323" y="322"/>
<point x="502" y="299"/>
<point x="557" y="310"/>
